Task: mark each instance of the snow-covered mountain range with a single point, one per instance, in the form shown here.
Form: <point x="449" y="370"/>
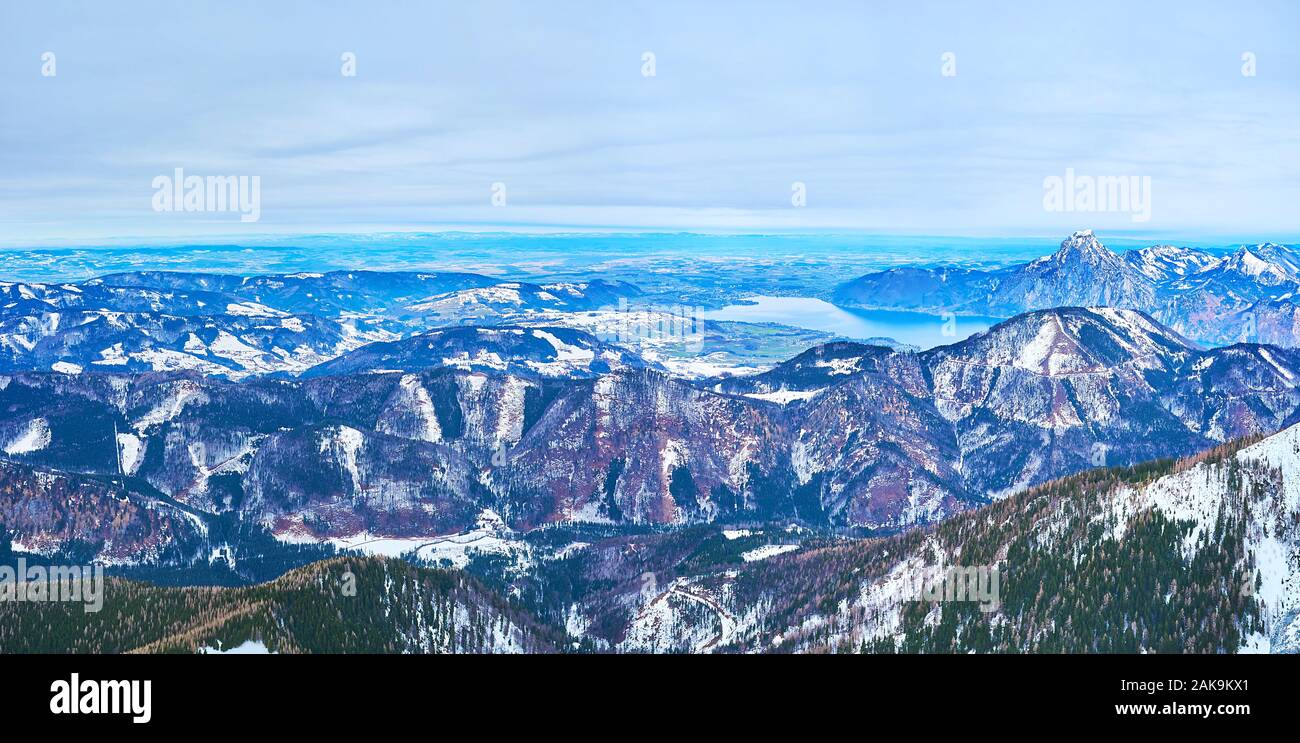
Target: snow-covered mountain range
<point x="1252" y="294"/>
<point x="417" y="437"/>
<point x="239" y="327"/>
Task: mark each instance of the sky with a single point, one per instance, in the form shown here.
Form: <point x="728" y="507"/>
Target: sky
<point x="549" y="107"/>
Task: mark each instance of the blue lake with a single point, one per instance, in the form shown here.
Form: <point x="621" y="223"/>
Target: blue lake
<point x="913" y="328"/>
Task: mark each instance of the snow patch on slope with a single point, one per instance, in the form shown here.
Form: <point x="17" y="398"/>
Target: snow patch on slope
<point x="34" y="437"/>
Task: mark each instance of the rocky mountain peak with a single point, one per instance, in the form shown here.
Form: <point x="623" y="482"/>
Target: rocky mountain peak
<point x="1084" y="247"/>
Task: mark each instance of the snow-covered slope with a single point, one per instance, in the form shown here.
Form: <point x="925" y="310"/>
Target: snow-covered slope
<point x="241" y="342"/>
<point x="1165" y="262"/>
<point x="547" y="352"/>
<point x="518" y="299"/>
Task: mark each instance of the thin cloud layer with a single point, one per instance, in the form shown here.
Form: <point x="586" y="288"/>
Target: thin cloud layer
<point x="552" y="103"/>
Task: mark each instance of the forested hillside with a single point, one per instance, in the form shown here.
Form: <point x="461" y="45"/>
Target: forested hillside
<point x="366" y="605"/>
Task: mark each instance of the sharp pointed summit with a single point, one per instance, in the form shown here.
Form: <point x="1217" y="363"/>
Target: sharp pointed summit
<point x="1082" y="247"/>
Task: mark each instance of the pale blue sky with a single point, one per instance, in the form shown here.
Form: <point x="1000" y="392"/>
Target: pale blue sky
<point x="549" y="99"/>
